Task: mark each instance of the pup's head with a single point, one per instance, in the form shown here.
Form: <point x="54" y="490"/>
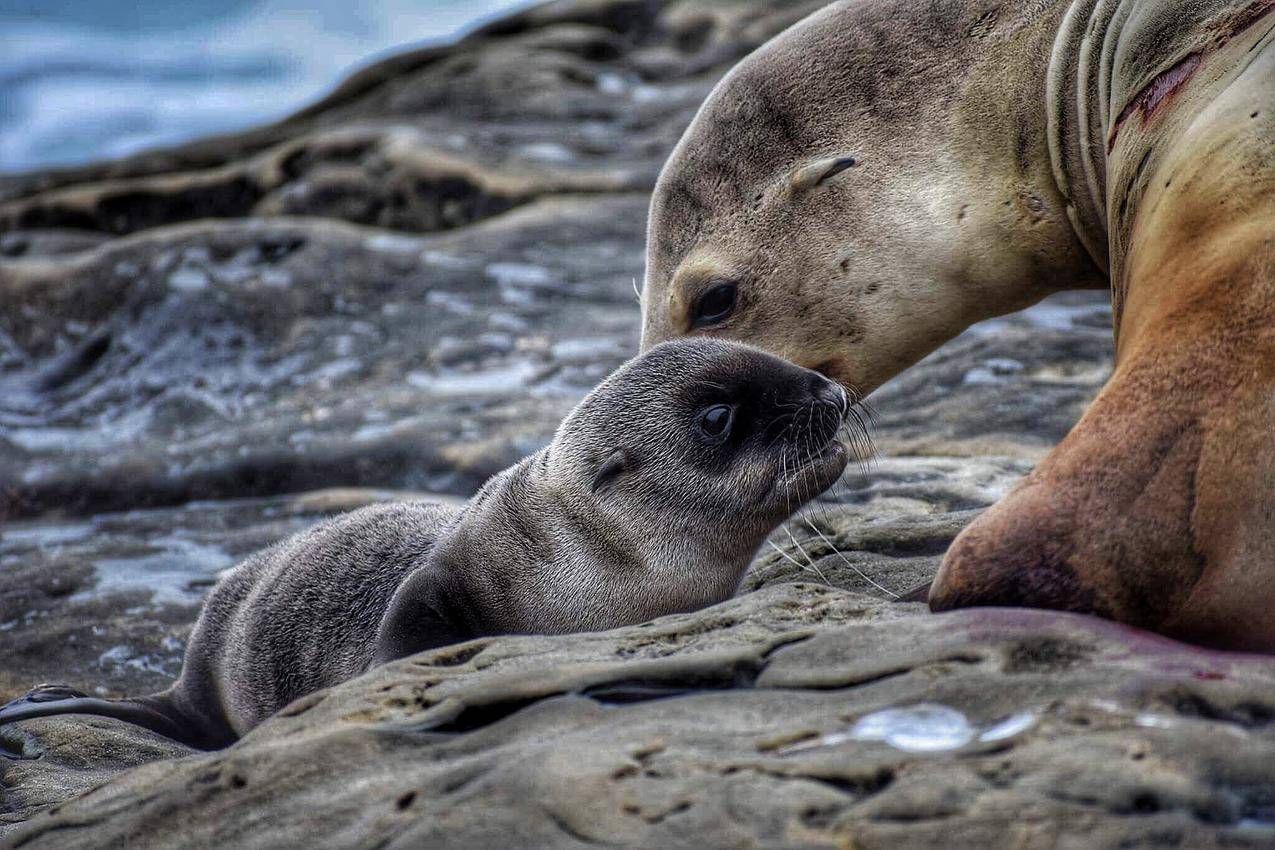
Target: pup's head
<point x="655" y="493"/>
<point x="688" y="457"/>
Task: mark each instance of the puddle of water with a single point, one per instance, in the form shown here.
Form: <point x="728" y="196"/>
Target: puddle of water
<point x="921" y="728"/>
<point x="167" y="573"/>
<point x="501" y="379"/>
<point x="43" y="534"/>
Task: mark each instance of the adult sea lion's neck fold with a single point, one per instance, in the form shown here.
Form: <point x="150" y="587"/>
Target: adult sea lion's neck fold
<point x="1076" y="106"/>
<point x="1127" y="80"/>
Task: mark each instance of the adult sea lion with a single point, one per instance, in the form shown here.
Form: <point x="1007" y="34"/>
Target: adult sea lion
<point x="653" y="497"/>
<point x="887" y="172"/>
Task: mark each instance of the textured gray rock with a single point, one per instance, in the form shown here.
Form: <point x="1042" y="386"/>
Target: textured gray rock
<point x="797" y="716"/>
<point x="403" y="288"/>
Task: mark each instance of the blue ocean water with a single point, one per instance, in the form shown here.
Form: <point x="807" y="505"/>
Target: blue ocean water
<point x="86" y="79"/>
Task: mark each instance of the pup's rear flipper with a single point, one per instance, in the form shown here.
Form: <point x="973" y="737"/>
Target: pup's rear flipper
<point x="50" y="700"/>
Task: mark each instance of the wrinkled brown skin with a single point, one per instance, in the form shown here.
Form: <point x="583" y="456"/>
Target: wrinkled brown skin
<point x="1006" y="150"/>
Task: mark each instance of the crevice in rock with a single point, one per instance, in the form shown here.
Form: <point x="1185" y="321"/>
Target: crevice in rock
<point x="75" y="364"/>
<point x="474" y="717"/>
<point x="658" y="817"/>
<point x="785" y="642"/>
<point x="622" y="691"/>
<point x="938" y="813"/>
<point x="872" y="679"/>
<point x="59" y="826"/>
<point x="890" y="673"/>
<point x="916" y="546"/>
<point x="742" y="675"/>
<point x="453" y="656"/>
<point x="463" y="779"/>
<point x="1045" y="654"/>
<point x="571" y="831"/>
<point x="1247" y="714"/>
<point x="858" y="787"/>
<point x="1142" y="802"/>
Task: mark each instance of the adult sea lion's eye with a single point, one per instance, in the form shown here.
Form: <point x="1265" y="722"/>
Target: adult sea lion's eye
<point x="716" y="420"/>
<point x="714" y="305"/>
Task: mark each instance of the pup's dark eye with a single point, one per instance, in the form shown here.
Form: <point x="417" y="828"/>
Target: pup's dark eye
<point x="715" y="305"/>
<point x="716" y="420"/>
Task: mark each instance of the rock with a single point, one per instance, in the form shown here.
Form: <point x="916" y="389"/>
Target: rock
<point x="228" y="360"/>
<point x="796" y="716"/>
<point x="45" y="762"/>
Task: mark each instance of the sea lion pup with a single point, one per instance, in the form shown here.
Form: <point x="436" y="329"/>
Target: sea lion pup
<point x="653" y="497"/>
<point x="884" y="174"/>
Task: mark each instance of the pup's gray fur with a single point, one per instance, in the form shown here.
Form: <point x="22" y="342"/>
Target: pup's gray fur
<point x="632" y="512"/>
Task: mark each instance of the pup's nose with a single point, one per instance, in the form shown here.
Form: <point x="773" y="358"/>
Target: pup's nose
<point x="827" y="392"/>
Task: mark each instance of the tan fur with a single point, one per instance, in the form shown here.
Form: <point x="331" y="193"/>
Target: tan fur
<point x="1046" y="145"/>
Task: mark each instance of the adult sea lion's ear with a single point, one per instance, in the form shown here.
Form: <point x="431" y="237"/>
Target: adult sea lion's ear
<point x="812" y="175"/>
<point x="615" y="465"/>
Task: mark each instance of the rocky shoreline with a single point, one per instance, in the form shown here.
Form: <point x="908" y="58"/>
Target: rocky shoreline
<point x="402" y="289"/>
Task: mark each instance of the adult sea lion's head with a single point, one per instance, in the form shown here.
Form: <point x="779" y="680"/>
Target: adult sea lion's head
<point x="858" y="191"/>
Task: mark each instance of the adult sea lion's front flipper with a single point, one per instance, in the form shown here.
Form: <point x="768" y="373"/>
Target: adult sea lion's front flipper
<point x="1157" y="509"/>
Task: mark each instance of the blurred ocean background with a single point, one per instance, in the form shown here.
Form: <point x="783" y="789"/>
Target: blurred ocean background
<point x="86" y="79"/>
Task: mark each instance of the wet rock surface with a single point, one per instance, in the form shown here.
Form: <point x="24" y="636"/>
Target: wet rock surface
<point x="404" y="288"/>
